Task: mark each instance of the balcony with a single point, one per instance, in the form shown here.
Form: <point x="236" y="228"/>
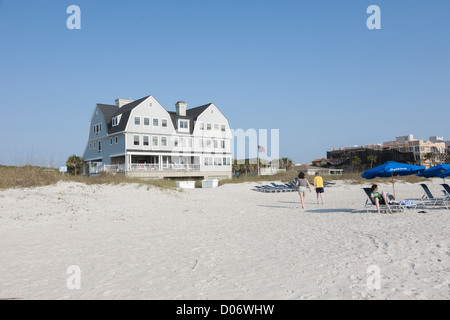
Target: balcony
<point x="142" y="167"/>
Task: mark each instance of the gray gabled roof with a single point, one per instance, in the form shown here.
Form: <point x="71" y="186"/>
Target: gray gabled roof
<point x="195" y="112"/>
<point x="125" y="111"/>
<point x="111" y="111"/>
<point x="108" y="112"/>
<point x="191" y="116"/>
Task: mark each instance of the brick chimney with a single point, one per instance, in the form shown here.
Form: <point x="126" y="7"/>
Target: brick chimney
<point x="121" y="102"/>
<point x="181" y="108"/>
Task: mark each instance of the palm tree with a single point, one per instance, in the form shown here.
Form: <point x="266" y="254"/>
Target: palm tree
<point x="356" y="161"/>
<point x="286" y="163"/>
<point x="372" y="158"/>
<point x="430" y="156"/>
<point x="236" y="167"/>
<point x="74" y="162"/>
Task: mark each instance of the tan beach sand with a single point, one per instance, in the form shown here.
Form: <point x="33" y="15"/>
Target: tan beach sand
<point x="224" y="243"/>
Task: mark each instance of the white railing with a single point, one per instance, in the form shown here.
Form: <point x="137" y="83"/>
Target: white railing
<point x="270" y="171"/>
<point x="163" y="167"/>
<point x="116" y="168"/>
<point x="113" y="168"/>
<point x="96" y="169"/>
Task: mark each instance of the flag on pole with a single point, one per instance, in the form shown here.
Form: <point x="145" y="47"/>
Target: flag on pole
<point x="261" y="149"/>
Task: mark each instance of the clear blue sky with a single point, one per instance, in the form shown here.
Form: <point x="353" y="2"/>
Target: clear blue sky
<point x="310" y="68"/>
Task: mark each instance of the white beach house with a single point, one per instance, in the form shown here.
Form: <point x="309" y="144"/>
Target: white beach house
<point x="142" y="139"/>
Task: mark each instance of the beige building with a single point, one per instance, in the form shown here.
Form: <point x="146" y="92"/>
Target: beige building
<point x="426" y="153"/>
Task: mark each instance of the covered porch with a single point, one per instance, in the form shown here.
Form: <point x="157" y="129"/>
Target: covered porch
<point x="162" y="163"/>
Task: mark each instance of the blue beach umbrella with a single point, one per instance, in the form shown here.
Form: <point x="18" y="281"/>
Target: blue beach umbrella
<point x="434" y="171"/>
<point x="391" y="169"/>
<point x="444" y="174"/>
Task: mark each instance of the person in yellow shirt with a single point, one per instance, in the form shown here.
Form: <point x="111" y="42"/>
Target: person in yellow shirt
<point x="318" y="184"/>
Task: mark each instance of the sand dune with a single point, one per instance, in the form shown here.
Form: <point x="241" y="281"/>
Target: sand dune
<point x="225" y="243"/>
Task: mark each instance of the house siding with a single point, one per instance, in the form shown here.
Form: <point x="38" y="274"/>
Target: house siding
<point x="150" y="108"/>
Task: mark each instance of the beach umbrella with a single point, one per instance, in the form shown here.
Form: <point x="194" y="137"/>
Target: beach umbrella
<point x="391" y="169"/>
<point x="444" y="174"/>
<point x="435" y="172"/>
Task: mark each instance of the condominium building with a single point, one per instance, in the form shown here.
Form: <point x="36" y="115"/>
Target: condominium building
<point x="426" y="153"/>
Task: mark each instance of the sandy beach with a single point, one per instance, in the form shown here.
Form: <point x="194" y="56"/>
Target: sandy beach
<point x="131" y="242"/>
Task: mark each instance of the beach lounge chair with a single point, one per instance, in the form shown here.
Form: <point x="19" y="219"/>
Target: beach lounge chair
<point x="429" y="199"/>
<point x="446" y="190"/>
<point x="393" y="206"/>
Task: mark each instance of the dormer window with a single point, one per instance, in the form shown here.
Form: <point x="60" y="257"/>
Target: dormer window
<point x="115" y="121"/>
<point x="183" y="125"/>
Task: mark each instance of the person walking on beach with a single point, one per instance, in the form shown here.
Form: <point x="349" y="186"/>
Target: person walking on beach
<point x="303" y="185"/>
<point x="318" y="184"/>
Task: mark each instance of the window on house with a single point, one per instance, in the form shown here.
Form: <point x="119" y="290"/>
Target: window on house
<point x="111" y="141"/>
<point x="155" y="122"/>
<point x="216" y="127"/>
<point x="208" y="143"/>
<point x="217" y="161"/>
<point x="155" y="141"/>
<point x="208" y="126"/>
<point x="164" y="123"/>
<point x="208" y="161"/>
<point x="175" y="142"/>
<point x="202" y="126"/>
<point x="183" y="124"/>
<point x="90" y="145"/>
<point x="136" y="140"/>
<point x="146" y="121"/>
<point x="183" y="142"/>
<point x="163" y="142"/>
<point x="417" y="149"/>
<point x="99" y="146"/>
<point x="226" y="161"/>
<point x="100" y="128"/>
<point x="117" y="140"/>
<point x="145" y="141"/>
<point x="114" y="121"/>
<point x="137" y="121"/>
<point x="191" y="143"/>
<point x="216" y="144"/>
<point x="223" y="128"/>
<point x="202" y="143"/>
<point x="222" y="143"/>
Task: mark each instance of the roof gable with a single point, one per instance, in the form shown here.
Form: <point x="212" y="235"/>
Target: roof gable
<point x="195" y="112"/>
<point x="111" y="111"/>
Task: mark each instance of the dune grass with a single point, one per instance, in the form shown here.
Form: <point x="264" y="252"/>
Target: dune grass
<point x="30" y="177"/>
